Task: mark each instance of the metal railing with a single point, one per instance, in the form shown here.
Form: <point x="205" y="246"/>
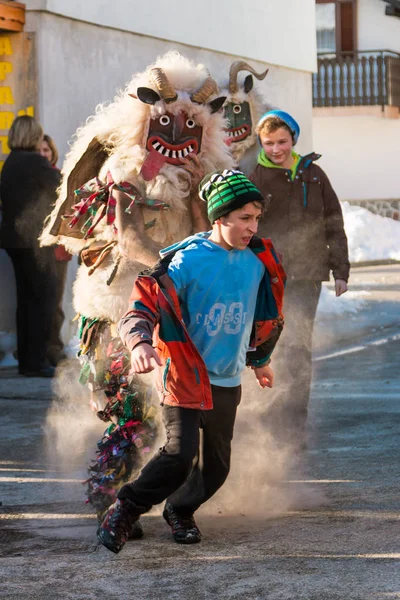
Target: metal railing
<point x="359" y="78"/>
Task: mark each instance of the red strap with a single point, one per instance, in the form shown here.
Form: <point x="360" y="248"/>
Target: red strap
<point x="276" y="272"/>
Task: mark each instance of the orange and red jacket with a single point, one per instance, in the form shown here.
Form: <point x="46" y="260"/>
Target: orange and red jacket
<point x="155" y="317"/>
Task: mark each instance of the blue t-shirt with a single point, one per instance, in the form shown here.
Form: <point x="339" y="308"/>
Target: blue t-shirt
<point x="217" y="289"/>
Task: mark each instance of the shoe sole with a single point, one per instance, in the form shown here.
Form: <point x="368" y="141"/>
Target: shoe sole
<point x="108" y="543"/>
<point x="187" y="540"/>
<point x="105" y="539"/>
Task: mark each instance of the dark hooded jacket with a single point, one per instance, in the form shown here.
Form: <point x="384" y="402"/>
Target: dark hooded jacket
<point x="304" y="220"/>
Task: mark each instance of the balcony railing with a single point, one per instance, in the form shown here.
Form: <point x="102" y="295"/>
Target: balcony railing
<point x="365" y="78"/>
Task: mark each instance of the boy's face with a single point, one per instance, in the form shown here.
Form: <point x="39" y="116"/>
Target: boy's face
<point x="278" y="146"/>
<point x="238" y="227"/>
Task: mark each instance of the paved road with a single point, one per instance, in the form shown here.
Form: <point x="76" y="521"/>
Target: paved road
<point x="377" y="288"/>
<point x="328" y="530"/>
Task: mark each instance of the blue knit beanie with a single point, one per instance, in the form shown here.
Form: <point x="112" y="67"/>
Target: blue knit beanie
<point x="286" y="118"/>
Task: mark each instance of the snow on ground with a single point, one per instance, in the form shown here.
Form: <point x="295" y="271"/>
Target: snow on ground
<point x="348" y="303"/>
<point x="370" y="236"/>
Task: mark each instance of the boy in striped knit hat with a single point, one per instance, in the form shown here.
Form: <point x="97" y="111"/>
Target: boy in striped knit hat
<point x="210" y="306"/>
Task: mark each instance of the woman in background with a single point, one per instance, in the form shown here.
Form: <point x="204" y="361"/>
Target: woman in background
<point x="28" y="189"/>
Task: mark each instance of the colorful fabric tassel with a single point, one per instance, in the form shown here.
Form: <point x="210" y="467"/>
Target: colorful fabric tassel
<point x="97" y="201"/>
<point x="132" y="432"/>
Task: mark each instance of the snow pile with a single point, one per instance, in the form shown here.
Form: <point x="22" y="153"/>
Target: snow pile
<point x="348" y="303"/>
<point x="370" y="236"/>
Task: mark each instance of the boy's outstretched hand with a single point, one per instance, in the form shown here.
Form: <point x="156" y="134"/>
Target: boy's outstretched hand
<point x="143" y="359"/>
<point x="265" y="376"/>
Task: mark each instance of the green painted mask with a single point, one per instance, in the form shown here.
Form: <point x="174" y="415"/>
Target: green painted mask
<point x="239" y="120"/>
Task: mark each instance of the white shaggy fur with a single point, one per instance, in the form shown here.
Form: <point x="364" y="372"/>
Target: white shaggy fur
<point x="122" y="128"/>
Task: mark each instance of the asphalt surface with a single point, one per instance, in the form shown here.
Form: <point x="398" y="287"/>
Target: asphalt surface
<point x="323" y="527"/>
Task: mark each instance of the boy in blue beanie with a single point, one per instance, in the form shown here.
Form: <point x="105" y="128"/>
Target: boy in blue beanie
<point x="306" y="224"/>
<point x="210" y="306"/>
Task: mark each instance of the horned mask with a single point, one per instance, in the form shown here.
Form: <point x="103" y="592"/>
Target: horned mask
<point x="242" y="108"/>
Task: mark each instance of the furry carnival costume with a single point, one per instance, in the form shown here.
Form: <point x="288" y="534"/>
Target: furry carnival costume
<point x="132" y="147"/>
<point x="243" y="109"/>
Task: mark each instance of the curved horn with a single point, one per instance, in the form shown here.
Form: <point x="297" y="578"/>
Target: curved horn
<point x="241" y="65"/>
<point x="208" y="88"/>
<point x="162" y="84"/>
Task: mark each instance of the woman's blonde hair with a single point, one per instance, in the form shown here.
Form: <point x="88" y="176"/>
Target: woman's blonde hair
<point x="25" y="134"/>
<point x="54" y="152"/>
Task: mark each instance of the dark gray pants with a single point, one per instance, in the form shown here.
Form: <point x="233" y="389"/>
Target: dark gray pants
<point x="35" y="277"/>
<point x="184" y="470"/>
<point x="291" y="361"/>
<point x="56" y="345"/>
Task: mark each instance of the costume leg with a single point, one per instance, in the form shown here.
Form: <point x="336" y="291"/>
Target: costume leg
<point x="169" y="468"/>
<point x="212" y="467"/>
<point x="287" y="415"/>
<point x="126" y="404"/>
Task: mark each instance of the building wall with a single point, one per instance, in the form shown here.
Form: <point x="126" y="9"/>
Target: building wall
<point x="360" y="148"/>
<point x="81" y="64"/>
<point x="252" y="29"/>
<point x="375" y="30"/>
<point x="360" y="155"/>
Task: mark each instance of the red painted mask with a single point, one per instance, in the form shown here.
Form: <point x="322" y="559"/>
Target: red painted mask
<point x="171" y="138"/>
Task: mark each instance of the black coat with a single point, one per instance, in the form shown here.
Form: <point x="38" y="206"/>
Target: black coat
<point x="27" y="190"/>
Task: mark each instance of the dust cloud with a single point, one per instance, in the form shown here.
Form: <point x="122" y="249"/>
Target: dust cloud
<point x="265" y="477"/>
<point x="72" y="428"/>
<point x="266" y="474"/>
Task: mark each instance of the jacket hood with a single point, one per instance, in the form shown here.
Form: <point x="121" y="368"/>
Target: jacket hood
<point x="305" y="161"/>
<point x="204" y="235"/>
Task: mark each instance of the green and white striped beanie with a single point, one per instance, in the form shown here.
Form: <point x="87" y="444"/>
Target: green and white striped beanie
<point x="225" y="191"/>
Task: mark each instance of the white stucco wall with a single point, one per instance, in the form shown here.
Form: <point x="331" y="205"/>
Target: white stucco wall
<point x="360" y="155"/>
<point x="375" y="30"/>
<point x="253" y="29"/>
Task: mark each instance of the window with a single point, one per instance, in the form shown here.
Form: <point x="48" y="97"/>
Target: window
<point x="326" y="27"/>
<point x="336" y="25"/>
